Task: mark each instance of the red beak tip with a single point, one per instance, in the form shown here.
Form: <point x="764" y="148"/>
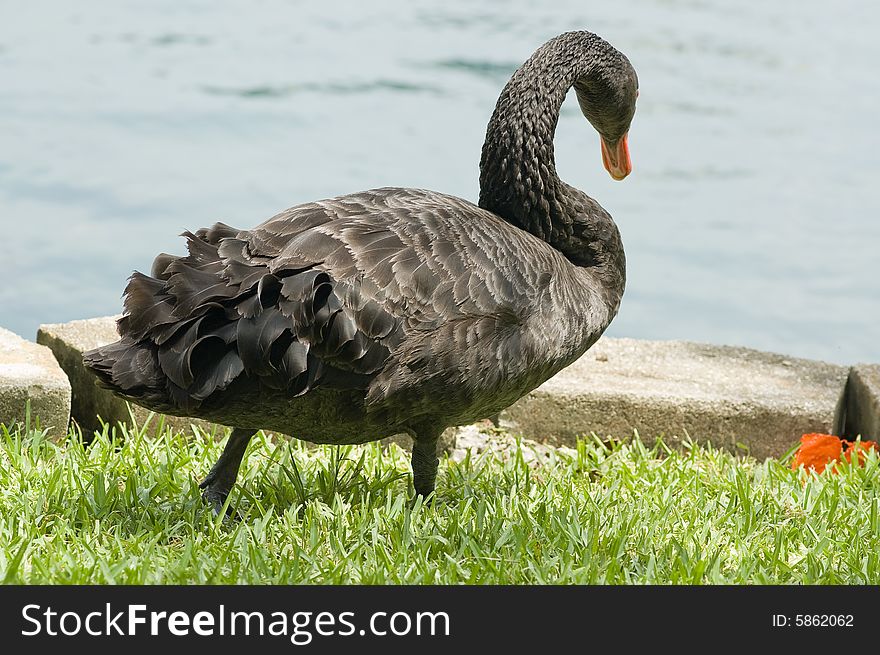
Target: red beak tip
<point x="616" y="158"/>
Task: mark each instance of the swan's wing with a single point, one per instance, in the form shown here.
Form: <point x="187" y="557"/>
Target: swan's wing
<point x="457" y="281"/>
<point x="427" y="257"/>
<point x="326" y="293"/>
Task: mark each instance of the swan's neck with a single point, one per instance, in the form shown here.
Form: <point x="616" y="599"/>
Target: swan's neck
<point x="518" y="179"/>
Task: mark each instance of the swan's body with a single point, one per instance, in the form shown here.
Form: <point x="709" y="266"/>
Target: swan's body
<point x="392" y="310"/>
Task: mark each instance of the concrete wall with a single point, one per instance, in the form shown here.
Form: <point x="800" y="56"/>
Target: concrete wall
<point x="736" y="398"/>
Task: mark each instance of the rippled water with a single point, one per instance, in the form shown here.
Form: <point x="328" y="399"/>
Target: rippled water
<point x="751" y="216"/>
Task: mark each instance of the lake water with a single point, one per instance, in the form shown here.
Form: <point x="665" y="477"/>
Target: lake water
<point x="752" y="216"/>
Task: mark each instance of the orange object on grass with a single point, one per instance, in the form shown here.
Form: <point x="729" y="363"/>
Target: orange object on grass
<point x="862" y="447"/>
<point x="817" y="451"/>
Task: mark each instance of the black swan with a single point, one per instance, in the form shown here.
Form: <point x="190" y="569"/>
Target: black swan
<point x="392" y="310"/>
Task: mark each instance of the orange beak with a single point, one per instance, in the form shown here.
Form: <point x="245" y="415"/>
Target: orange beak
<point x="616" y="159"/>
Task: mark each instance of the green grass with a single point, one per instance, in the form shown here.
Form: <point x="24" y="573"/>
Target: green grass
<point x="126" y="509"/>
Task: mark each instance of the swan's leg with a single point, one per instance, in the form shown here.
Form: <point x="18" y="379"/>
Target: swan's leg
<point x="424" y="462"/>
<point x="218" y="483"/>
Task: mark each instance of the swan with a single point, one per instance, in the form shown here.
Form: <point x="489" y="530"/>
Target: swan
<point x="393" y="310"/>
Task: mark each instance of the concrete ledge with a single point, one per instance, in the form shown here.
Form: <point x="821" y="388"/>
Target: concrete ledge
<point x="68" y="342"/>
<point x="722" y="394"/>
<point x="28" y="372"/>
<point x="730" y="396"/>
<point x="863" y="402"/>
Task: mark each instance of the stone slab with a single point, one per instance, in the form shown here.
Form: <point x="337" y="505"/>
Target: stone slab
<point x="863" y="402"/>
<point x="29" y="372"/>
<point x="68" y="342"/>
<point x="480" y="439"/>
<point x="725" y="395"/>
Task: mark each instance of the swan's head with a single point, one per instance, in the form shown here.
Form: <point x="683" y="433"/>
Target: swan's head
<point x="607" y="96"/>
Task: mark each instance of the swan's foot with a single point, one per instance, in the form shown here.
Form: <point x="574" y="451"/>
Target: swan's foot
<point x="221" y="478"/>
<point x="216" y="499"/>
<point x="424" y="464"/>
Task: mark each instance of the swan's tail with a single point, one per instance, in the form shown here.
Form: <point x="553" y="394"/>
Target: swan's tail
<point x="222" y="315"/>
<point x="130" y="369"/>
<point x="172" y="328"/>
